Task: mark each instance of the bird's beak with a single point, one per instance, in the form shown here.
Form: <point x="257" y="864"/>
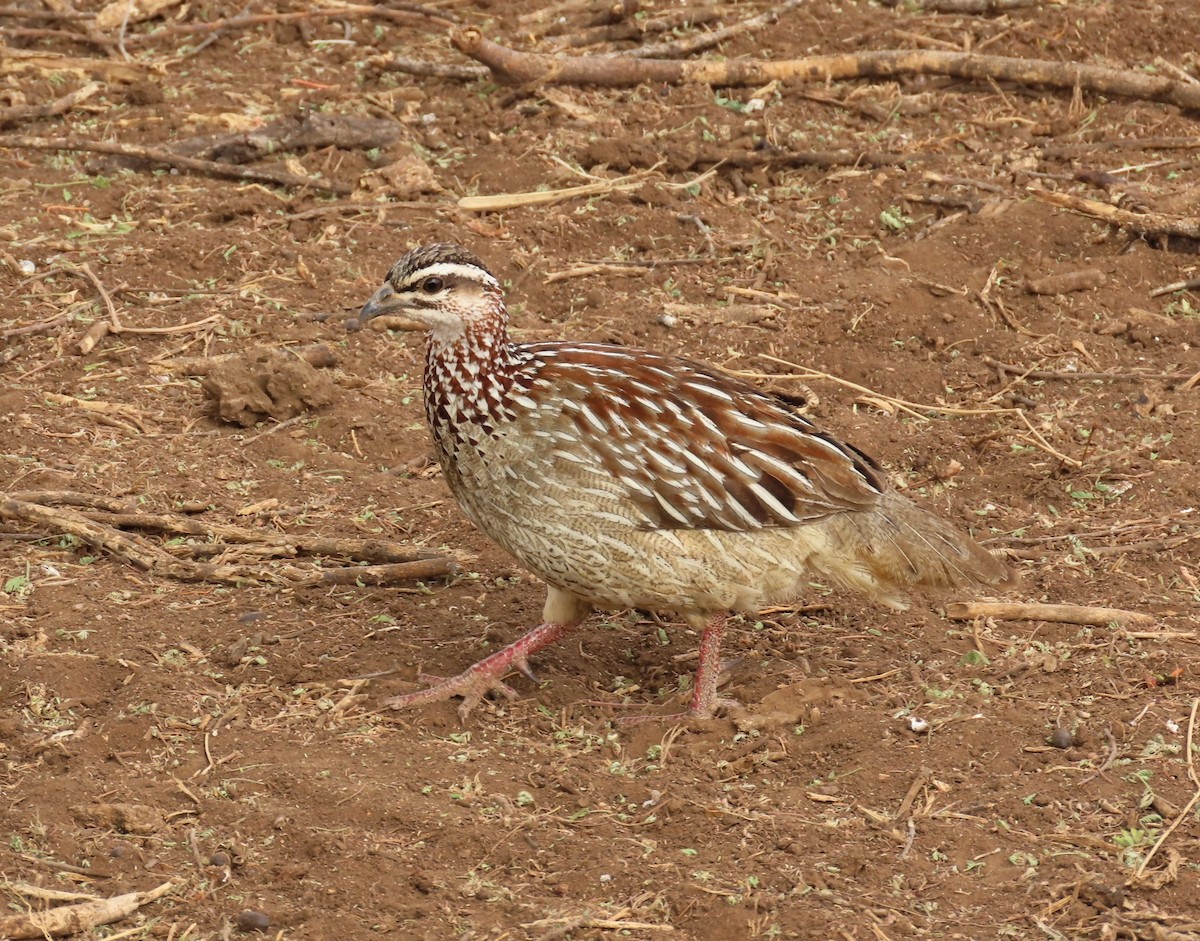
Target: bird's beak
<point x="384" y="304"/>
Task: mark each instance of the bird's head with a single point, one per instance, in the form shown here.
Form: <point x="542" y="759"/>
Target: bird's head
<point x="441" y="288"/>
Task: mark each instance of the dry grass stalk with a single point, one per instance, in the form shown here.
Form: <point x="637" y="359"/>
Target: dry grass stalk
<point x="501" y="201"/>
<point x="1186" y="812"/>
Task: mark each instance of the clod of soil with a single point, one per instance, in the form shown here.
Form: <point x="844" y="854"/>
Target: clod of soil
<point x="264" y="383"/>
<point x="250" y="920"/>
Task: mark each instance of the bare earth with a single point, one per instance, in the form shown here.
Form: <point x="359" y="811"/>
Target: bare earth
<point x="208" y="721"/>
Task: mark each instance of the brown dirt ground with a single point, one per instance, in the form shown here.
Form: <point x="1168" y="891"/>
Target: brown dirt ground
<point x="267" y="779"/>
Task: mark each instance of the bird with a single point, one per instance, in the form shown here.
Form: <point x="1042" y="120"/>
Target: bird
<point x="625" y="478"/>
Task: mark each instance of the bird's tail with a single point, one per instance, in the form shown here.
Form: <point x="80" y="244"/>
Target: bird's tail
<point x="899" y="544"/>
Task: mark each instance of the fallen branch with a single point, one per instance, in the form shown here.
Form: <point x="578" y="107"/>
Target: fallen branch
<point x="678" y="48"/>
<point x="358" y="550"/>
<point x="511" y="67"/>
<point x="424" y="69"/>
<point x="1057" y="613"/>
<point x="165" y="158"/>
<point x="101" y="531"/>
<point x="75" y="498"/>
<point x="42" y="326"/>
<point x="18" y="113"/>
<point x="1143" y="223"/>
<point x="396" y="12"/>
<point x="77" y="919"/>
<point x="627" y="29"/>
<point x="26" y="60"/>
<point x="309" y="130"/>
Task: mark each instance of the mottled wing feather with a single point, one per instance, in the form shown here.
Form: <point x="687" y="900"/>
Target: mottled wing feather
<point x="697" y="449"/>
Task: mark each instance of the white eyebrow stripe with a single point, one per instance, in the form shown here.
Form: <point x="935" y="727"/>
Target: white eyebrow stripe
<point x="449" y="269"/>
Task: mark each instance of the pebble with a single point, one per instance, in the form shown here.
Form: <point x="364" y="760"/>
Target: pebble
<point x="1062" y="737"/>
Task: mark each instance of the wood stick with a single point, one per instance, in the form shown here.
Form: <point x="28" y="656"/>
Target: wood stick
<point x="80" y="918"/>
<point x="165" y="158"/>
<point x="678" y="48"/>
<point x="1058" y="613"/>
<point x="500" y="201"/>
<point x="397" y="12"/>
<point x="1190" y="284"/>
<point x="1143" y="223"/>
<point x="360" y="550"/>
<point x="24" y="60"/>
<point x="1074" y="375"/>
<point x="42" y="326"/>
<point x="382" y="575"/>
<point x="511" y="67"/>
<point x="17" y="113"/>
<point x="635" y="29"/>
<point x="45" y="16"/>
<point x="74" y="498"/>
<point x="131" y="549"/>
<point x="402" y="563"/>
<point x="411" y="66"/>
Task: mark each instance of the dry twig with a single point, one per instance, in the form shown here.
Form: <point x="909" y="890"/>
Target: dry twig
<point x="397" y="12"/>
<point x="165" y="158"/>
<point x="17" y="113"/>
<point x="678" y="48"/>
<point x="1057" y="613"/>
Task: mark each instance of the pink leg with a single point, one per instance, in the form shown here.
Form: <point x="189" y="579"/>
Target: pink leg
<point x="704" y="686"/>
<point x="705" y="702"/>
<point x="477" y="680"/>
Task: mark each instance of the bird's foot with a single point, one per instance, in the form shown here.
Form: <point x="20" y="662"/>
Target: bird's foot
<point x="473" y="684"/>
<point x="486" y="676"/>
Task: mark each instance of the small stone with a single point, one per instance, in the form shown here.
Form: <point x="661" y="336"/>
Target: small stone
<point x="250" y="920"/>
<point x="1062" y="737"/>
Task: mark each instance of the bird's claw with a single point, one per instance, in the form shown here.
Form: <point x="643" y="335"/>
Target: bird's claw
<point x="472" y="685"/>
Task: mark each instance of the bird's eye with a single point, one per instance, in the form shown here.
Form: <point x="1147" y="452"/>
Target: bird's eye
<point x="432" y="285"/>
